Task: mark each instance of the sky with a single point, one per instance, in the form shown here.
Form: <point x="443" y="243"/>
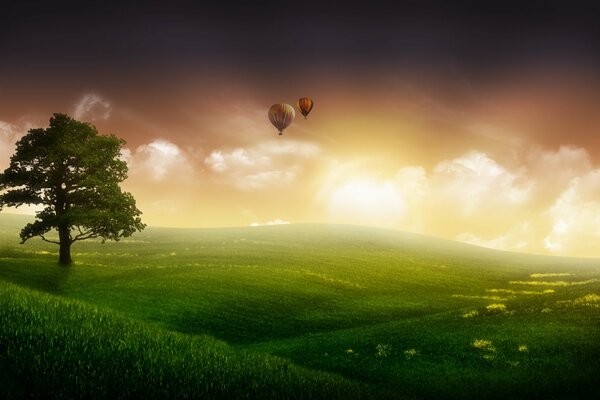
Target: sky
<point x="472" y="121"/>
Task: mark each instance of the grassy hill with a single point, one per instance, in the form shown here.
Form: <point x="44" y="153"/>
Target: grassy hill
<point x="355" y="310"/>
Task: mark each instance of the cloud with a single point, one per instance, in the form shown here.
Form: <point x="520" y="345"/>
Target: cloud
<point x="237" y="159"/>
<point x="92" y="107"/>
<point x="266" y="164"/>
<point x="552" y="203"/>
<point x="518" y="238"/>
<point x="544" y="201"/>
<point x="272" y="222"/>
<point x="158" y="160"/>
<point x="126" y="156"/>
<point x="552" y="171"/>
<point x="9" y="135"/>
<point x="475" y="183"/>
<point x="575" y="217"/>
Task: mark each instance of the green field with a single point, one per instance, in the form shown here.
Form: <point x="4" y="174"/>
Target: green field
<point x="294" y="311"/>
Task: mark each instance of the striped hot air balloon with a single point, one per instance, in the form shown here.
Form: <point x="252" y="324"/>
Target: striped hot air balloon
<point x="305" y="104"/>
<point x="281" y="116"/>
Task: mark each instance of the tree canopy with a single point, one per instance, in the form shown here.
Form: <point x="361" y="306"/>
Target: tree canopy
<point x="74" y="173"/>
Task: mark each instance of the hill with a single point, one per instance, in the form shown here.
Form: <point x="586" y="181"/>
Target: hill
<point x="404" y="314"/>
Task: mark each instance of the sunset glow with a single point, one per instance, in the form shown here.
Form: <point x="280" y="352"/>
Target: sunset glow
<point x="504" y="156"/>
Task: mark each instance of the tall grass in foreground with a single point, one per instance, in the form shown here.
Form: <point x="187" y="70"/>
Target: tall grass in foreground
<point x="56" y="348"/>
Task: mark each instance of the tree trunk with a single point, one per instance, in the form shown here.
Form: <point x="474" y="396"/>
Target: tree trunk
<point x="64" y="254"/>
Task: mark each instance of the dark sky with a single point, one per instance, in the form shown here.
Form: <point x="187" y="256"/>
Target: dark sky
<point x="264" y="38"/>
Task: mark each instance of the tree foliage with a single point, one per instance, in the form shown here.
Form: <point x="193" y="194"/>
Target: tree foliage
<point x="74" y="173"/>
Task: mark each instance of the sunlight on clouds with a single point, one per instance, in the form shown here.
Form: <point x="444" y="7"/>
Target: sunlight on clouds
<point x="9" y="135"/>
<point x="530" y="198"/>
<point x="575" y="217"/>
<point x="550" y="171"/>
<point x="265" y="164"/>
<point x="366" y="201"/>
<point x="495" y="206"/>
<point x="474" y="183"/>
<point x="159" y="159"/>
<point x="126" y="156"/>
<point x="237" y="159"/>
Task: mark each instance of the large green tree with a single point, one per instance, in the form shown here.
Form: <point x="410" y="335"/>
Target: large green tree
<point x="73" y="172"/>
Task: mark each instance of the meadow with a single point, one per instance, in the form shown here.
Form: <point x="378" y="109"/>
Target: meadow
<point x="294" y="311"/>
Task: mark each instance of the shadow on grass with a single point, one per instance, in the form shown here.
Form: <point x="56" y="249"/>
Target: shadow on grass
<point x="41" y="272"/>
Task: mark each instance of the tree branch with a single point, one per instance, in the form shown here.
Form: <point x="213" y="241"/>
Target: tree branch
<point x="49" y="241"/>
<point x="79" y="237"/>
<point x="84" y="235"/>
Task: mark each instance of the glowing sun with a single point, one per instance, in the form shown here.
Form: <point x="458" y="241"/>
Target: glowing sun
<point x="366" y="201"/>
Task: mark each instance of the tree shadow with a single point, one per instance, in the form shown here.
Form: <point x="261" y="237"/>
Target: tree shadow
<point x="39" y="273"/>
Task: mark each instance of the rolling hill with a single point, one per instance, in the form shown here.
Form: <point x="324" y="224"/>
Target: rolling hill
<point x="325" y="310"/>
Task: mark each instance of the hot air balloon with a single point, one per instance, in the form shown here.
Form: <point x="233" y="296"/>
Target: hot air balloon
<point x="281" y="116"/>
<point x="305" y="104"/>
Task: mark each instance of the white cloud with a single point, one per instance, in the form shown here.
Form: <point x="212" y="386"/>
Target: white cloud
<point x="575" y="217"/>
<point x="557" y="190"/>
<point x="216" y="161"/>
<point x="237" y="159"/>
<point x="126" y="156"/>
<point x="475" y="183"/>
<point x="159" y="159"/>
<point x="272" y="222"/>
<point x="92" y="107"/>
<point x="269" y="163"/>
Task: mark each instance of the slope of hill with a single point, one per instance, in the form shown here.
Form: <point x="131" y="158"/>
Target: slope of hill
<point x="57" y="348"/>
<point x="418" y="316"/>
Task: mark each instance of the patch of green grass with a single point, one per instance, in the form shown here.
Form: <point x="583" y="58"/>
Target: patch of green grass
<point x="310" y="293"/>
<point x="56" y="348"/>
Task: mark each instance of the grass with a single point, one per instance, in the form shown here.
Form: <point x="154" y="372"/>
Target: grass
<point x="57" y="348"/>
<point x="350" y="311"/>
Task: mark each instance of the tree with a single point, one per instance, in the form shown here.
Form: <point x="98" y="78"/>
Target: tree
<point x="74" y="173"/>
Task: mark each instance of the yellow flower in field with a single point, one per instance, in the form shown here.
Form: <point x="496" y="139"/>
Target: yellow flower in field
<point x="587" y="300"/>
<point x="349" y="351"/>
<point x="410" y="353"/>
<point x="483" y="344"/>
<point x="546" y="310"/>
<point x="523" y="348"/>
<point x="471" y="314"/>
<point x="383" y="350"/>
<point x="496" y="308"/>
